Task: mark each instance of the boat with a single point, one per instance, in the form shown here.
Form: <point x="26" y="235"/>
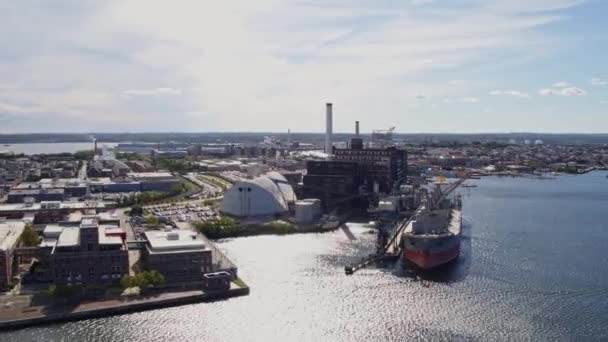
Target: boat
<point x="432" y="238"/>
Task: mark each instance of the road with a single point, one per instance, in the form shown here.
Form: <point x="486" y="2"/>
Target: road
<point x="82" y="174"/>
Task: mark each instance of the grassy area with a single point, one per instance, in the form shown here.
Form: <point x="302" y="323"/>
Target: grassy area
<point x="222" y="184"/>
<point x="227" y="227"/>
<point x="239" y="282"/>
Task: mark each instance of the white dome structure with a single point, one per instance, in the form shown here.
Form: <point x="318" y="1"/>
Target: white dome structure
<point x="264" y="195"/>
<point x="283" y="184"/>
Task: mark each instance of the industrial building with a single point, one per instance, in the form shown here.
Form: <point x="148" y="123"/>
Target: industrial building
<point x="170" y="154"/>
<point x="10" y="232"/>
<point x="269" y="194"/>
<point x="180" y="255"/>
<point x="381" y="169"/>
<point x="354" y="170"/>
<point x="46" y="212"/>
<point x="48" y="189"/>
<point x="86" y="254"/>
<point x="154" y="181"/>
<point x="307" y="211"/>
<point x="135" y="182"/>
<point x="333" y="182"/>
<point x="37" y="195"/>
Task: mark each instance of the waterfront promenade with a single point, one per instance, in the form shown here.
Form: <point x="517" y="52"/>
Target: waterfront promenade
<point x="30" y="315"/>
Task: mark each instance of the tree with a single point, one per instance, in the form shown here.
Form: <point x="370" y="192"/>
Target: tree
<point x="143" y="280"/>
<point x="177" y="189"/>
<point x="137" y="211"/>
<point x="84" y="155"/>
<point x="127" y="281"/>
<point x="154" y="278"/>
<point x="151" y="220"/>
<point x="30" y="237"/>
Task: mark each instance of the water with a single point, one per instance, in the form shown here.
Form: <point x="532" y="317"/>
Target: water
<point x="533" y="267"/>
<point x="48" y="148"/>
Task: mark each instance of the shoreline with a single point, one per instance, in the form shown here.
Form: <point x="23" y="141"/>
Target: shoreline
<point x="116" y="307"/>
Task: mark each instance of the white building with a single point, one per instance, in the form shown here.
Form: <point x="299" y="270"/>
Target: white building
<point x="269" y="194"/>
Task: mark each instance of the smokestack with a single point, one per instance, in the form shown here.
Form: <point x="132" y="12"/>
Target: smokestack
<point x="328" y="128"/>
<point x="357" y="128"/>
<point x="95" y="147"/>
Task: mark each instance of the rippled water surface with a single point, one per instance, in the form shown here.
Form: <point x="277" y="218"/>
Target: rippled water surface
<point x="533" y="267"/>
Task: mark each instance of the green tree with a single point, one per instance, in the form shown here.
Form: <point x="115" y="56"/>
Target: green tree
<point x="177" y="189"/>
<point x="141" y="280"/>
<point x="137" y="211"/>
<point x="154" y="278"/>
<point x="127" y="281"/>
<point x="84" y="155"/>
<point x="29" y="237"/>
<point x="151" y="220"/>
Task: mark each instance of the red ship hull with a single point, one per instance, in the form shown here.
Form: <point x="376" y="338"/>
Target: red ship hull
<point x="426" y="259"/>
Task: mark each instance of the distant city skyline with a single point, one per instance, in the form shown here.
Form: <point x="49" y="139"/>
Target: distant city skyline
<point x="430" y="66"/>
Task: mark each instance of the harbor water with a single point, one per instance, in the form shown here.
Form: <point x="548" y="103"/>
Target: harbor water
<point x="50" y="148"/>
<point x="533" y="267"/>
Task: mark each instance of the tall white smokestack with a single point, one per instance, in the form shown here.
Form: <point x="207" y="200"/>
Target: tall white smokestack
<point x="357" y="128"/>
<point x="328" y="128"/>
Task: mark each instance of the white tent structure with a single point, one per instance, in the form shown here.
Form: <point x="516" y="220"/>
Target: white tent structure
<point x="269" y="194"/>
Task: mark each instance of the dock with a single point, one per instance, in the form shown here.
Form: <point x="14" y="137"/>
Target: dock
<point x="392" y="248"/>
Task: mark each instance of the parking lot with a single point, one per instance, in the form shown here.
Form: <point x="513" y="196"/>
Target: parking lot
<point x="185" y="212"/>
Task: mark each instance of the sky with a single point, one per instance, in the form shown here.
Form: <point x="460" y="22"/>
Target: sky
<point x="271" y="65"/>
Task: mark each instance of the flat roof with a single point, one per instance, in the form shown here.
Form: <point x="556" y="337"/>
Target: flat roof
<point x="174" y="241"/>
<point x="108" y="216"/>
<point x="75" y="216"/>
<point x="108" y="240"/>
<point x="70" y="237"/>
<point x="150" y="174"/>
<point x="88" y="222"/>
<point x="52" y="231"/>
<point x="10" y="232"/>
<point x="48" y="242"/>
<point x="37" y="206"/>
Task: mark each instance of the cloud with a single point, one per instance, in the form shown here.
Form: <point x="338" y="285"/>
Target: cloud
<point x="152" y="92"/>
<point x="251" y="62"/>
<point x="468" y="99"/>
<point x="569" y="91"/>
<point x="599" y="82"/>
<point x="516" y="93"/>
<point x="560" y="84"/>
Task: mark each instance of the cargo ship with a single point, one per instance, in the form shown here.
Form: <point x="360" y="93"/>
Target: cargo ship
<point x="432" y="238"/>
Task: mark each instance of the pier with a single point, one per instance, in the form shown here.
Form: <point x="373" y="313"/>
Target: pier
<point x="392" y="248"/>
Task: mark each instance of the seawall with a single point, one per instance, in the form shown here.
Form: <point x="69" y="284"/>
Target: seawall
<point x="122" y="308"/>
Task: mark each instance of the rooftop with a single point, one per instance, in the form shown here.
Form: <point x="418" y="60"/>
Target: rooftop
<point x="37" y="206"/>
<point x="89" y="222"/>
<point x="174" y="241"/>
<point x="52" y="231"/>
<point x="10" y="231"/>
<point x="108" y="240"/>
<point x="70" y="237"/>
<point x="150" y="175"/>
<point x="108" y="216"/>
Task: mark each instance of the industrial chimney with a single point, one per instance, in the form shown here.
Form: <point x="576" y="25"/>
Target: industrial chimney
<point x="356" y="143"/>
<point x="328" y="128"/>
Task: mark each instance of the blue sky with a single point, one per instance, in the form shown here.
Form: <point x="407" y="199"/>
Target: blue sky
<point x="270" y="65"/>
